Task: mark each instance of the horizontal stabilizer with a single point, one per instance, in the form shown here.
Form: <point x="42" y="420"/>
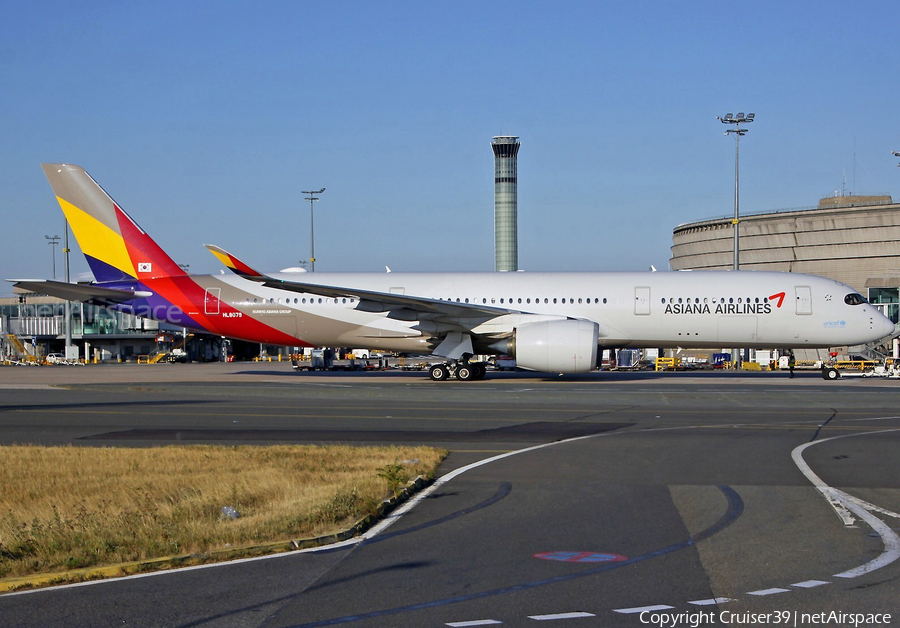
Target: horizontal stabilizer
<point x="79" y="292"/>
<point x="232" y="263"/>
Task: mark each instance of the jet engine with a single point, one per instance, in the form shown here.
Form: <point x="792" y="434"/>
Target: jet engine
<point x="561" y="346"/>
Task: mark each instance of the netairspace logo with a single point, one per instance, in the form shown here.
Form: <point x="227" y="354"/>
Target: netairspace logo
<point x="788" y="618"/>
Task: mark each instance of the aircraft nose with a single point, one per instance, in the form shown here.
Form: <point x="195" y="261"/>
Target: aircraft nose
<point x="879" y="323"/>
<point x="885" y="325"/>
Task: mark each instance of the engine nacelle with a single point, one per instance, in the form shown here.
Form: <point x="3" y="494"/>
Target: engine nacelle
<point x="563" y="346"/>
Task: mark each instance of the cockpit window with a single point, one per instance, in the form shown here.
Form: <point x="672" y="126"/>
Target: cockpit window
<point x="854" y="299"/>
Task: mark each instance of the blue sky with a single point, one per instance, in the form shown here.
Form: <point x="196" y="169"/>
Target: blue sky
<point x="205" y="120"/>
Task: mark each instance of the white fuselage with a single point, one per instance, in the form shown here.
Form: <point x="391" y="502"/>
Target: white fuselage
<point x="645" y="309"/>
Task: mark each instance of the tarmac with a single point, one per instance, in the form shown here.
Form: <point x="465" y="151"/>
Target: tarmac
<point x="590" y="498"/>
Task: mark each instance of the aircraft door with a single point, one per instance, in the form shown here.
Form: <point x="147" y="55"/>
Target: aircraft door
<point x="211" y="301"/>
<point x="804" y="300"/>
<point x="642" y="300"/>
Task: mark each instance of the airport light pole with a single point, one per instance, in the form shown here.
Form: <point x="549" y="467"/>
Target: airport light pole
<point x="68" y="353"/>
<point x="53" y="242"/>
<point x="185" y="268"/>
<point x="312" y="198"/>
<point x="737" y="121"/>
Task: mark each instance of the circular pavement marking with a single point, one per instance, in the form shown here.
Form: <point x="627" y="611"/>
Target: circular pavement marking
<point x="580" y="557"/>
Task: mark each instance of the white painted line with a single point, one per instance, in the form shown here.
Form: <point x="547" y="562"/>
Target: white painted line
<point x="872" y="507"/>
<point x="641" y="609"/>
<point x="477" y="622"/>
<point x="712" y="602"/>
<point x="560" y="616"/>
<point x="768" y="592"/>
<point x="439" y="483"/>
<point x="847" y="503"/>
<point x="809" y="584"/>
<point x="880" y="418"/>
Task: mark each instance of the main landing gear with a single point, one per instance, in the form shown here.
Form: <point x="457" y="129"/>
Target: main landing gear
<point x="463" y="371"/>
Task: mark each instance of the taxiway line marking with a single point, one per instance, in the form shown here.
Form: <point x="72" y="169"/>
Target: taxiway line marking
<point x="809" y="584"/>
<point x="844" y="504"/>
<point x="574" y="615"/>
<point x="712" y="602"/>
<point x="641" y="609"/>
<point x="476" y="622"/>
<point x="772" y="591"/>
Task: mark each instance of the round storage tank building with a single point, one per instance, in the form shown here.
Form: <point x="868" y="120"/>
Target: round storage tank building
<point x="853" y="239"/>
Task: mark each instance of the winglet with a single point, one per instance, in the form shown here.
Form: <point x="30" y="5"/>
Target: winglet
<point x="234" y="264"/>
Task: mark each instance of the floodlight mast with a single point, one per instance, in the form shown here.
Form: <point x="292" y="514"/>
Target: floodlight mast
<point x="53" y="241"/>
<point x="312" y="198"/>
<point x="738" y="120"/>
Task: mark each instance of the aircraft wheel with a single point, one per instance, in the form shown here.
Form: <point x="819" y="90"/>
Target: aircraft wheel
<point x="439" y="372"/>
<point x="466" y="372"/>
<point x="480" y="370"/>
<point x="831" y="373"/>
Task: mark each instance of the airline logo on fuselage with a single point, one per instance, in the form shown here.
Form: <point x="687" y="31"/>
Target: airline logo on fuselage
<point x="761" y="306"/>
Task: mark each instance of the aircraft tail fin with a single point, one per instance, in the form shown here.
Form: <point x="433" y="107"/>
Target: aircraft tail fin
<point x="116" y="248"/>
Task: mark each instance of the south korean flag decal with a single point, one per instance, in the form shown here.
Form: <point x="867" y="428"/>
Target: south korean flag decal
<point x="145" y="267"/>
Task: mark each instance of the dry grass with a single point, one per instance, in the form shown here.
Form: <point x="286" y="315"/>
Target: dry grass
<point x="71" y="507"/>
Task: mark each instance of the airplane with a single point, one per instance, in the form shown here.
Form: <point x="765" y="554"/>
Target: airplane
<point x="548" y="321"/>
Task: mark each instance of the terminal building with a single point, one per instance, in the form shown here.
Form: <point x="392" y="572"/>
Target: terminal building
<point x="853" y="239"/>
<point x="34" y="325"/>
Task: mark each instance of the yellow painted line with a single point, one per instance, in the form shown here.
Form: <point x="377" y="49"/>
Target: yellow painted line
<point x="170" y="412"/>
<point x="480" y="451"/>
<point x="155" y="564"/>
<point x="806" y="426"/>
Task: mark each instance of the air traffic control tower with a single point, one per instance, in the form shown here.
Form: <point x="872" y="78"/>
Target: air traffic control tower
<point x="506" y="238"/>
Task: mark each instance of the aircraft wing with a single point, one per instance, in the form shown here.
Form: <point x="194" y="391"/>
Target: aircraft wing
<point x="369" y="300"/>
<point x="77" y="291"/>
